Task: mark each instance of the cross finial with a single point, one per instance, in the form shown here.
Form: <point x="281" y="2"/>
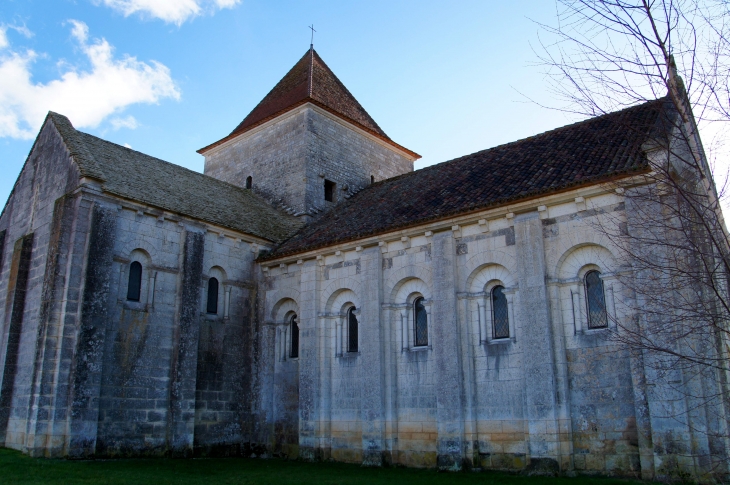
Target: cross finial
<point x="311" y="43"/>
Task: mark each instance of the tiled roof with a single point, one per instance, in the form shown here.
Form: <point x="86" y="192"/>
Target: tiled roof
<point x="133" y="175"/>
<point x="310" y="81"/>
<point x="583" y="153"/>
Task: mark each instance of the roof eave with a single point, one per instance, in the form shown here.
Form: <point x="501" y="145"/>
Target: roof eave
<point x="410" y="153"/>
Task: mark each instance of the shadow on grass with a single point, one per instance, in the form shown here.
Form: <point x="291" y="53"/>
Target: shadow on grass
<point x="16" y="468"/>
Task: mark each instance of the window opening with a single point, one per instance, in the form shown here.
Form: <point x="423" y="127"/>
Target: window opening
<point x="294" y="351"/>
<point x="134" y="287"/>
<point x="500" y="316"/>
<point x="420" y="322"/>
<point x="329" y="191"/>
<point x="351" y="330"/>
<point x="595" y="300"/>
<point x="249" y="182"/>
<point x="212" y="296"/>
<point x="372" y="179"/>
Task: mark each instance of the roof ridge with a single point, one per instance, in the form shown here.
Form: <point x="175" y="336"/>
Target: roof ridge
<point x="531" y="137"/>
<point x="181" y="168"/>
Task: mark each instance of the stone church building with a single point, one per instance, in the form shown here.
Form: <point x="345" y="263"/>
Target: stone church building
<point x="312" y="296"/>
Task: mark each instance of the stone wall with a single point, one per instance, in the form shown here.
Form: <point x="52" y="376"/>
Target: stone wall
<point x="554" y="396"/>
<point x="290" y="158"/>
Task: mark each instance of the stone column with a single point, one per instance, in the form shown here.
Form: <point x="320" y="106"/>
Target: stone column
<point x="14" y="312"/>
<point x="445" y="339"/>
<point x="87" y="371"/>
<point x="537" y="344"/>
<point x="372" y="336"/>
<point x="309" y="365"/>
<point x="185" y="347"/>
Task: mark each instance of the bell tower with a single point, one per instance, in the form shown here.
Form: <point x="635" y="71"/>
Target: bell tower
<point x="307" y="145"/>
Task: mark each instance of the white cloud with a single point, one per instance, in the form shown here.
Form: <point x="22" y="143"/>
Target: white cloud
<point x="21" y="29"/>
<point x="171" y="11"/>
<point x="128" y="145"/>
<point x="86" y="97"/>
<point x="128" y="122"/>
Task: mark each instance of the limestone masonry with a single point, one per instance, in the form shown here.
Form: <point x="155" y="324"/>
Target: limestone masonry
<point x="311" y="296"/>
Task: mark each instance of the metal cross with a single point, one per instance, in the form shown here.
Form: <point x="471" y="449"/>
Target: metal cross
<point x="313" y="31"/>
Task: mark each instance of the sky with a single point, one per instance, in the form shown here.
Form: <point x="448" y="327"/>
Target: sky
<point x="167" y="77"/>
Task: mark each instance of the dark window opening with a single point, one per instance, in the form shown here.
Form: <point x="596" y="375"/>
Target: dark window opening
<point x="499" y="313"/>
<point x="329" y="190"/>
<point x="351" y="330"/>
<point x="372" y="179"/>
<point x="294" y="352"/>
<point x="134" y="287"/>
<point x="596" y="301"/>
<point x="212" y="296"/>
<point x="421" y="323"/>
<point x="249" y="182"/>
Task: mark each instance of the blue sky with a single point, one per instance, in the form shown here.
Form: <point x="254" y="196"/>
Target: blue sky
<point x="168" y="77"/>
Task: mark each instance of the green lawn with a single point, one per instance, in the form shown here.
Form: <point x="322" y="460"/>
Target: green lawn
<point x="16" y="468"/>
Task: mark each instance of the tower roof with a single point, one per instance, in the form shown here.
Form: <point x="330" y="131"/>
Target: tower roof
<point x="310" y="81"/>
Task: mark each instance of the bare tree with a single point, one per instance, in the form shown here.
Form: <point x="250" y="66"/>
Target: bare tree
<point x="605" y="55"/>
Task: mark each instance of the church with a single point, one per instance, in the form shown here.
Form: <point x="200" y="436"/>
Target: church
<point x="311" y="296"/>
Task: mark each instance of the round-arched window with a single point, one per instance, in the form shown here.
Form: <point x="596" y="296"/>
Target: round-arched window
<point x="500" y="315"/>
<point x="294" y="327"/>
<point x="595" y="300"/>
<point x="351" y="330"/>
<point x="134" y="285"/>
<point x="420" y="323"/>
<point x="212" y="306"/>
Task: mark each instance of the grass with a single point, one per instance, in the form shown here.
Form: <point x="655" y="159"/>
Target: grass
<point x="16" y="468"/>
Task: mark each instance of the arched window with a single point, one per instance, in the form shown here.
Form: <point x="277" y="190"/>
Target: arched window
<point x="500" y="316"/>
<point x="249" y="182"/>
<point x="294" y="326"/>
<point x="351" y="330"/>
<point x="212" y="306"/>
<point x="420" y="320"/>
<point x="595" y="300"/>
<point x="134" y="286"/>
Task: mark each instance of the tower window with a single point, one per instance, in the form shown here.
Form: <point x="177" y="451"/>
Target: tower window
<point x="249" y="182"/>
<point x="329" y="190"/>
<point x="134" y="286"/>
<point x="212" y="306"/>
<point x="372" y="179"/>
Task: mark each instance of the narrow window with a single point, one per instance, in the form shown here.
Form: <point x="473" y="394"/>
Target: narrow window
<point x="351" y="330"/>
<point x="499" y="313"/>
<point x="372" y="179"/>
<point x="595" y="300"/>
<point x="420" y="320"/>
<point x="212" y="296"/>
<point x="134" y="287"/>
<point x="249" y="182"/>
<point x="329" y="191"/>
<point x="294" y="351"/>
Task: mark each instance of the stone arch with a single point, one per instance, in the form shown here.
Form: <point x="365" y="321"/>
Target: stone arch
<point x="402" y="275"/>
<point x="480" y="260"/>
<point x="340" y="300"/>
<point x="218" y="272"/>
<point x="576" y="260"/>
<point x="336" y="286"/>
<point x="283" y="309"/>
<point x="489" y="272"/>
<point x="137" y="244"/>
<point x="570" y="242"/>
<point x="406" y="290"/>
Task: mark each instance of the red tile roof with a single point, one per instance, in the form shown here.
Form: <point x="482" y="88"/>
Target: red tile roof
<point x="310" y="81"/>
<point x="588" y="152"/>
